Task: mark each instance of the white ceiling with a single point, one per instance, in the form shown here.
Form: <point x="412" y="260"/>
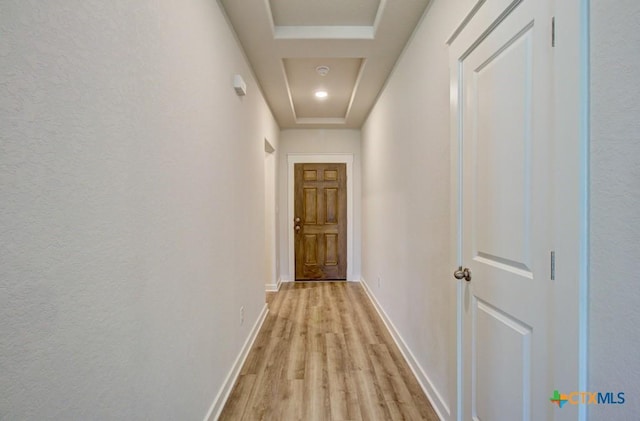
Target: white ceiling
<point x="286" y="40"/>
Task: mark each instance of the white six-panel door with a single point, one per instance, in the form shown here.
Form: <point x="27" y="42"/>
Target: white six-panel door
<point x="501" y="75"/>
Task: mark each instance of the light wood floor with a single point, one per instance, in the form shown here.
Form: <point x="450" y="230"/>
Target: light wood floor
<point x="324" y="354"/>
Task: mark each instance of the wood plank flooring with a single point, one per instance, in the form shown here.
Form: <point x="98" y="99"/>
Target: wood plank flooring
<point x="324" y="354"/>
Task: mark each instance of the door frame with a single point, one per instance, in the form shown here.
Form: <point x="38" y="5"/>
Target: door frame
<point x="571" y="211"/>
<point x="302" y="158"/>
<point x="271" y="217"/>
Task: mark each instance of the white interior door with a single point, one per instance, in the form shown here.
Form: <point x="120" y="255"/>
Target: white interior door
<point x="501" y="73"/>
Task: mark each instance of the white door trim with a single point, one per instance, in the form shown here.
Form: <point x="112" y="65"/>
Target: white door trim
<point x="270" y="183"/>
<point x="571" y="201"/>
<point x="300" y="158"/>
<point x="571" y="174"/>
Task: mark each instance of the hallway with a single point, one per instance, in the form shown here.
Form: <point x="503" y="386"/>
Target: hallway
<point x="138" y="233"/>
<point x="323" y="353"/>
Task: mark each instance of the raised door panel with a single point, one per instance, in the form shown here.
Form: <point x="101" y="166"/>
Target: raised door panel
<point x="331" y="249"/>
<point x="331" y="202"/>
<point x="501" y="375"/>
<point x="502" y="147"/>
<point x="310" y="205"/>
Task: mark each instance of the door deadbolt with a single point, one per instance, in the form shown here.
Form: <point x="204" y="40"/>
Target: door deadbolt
<point x="462" y="274"/>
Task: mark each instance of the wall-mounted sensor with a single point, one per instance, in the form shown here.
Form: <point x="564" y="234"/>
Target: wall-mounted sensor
<point x="239" y="85"/>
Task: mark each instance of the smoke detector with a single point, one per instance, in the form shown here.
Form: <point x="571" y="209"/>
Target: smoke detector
<point x="322" y="70"/>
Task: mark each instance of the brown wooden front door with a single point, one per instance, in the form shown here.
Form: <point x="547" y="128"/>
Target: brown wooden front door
<point x="320" y="221"/>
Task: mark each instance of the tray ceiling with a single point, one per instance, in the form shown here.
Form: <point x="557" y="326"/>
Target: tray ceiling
<point x="358" y="41"/>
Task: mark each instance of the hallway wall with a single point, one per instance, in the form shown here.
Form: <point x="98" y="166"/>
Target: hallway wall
<point x="614" y="314"/>
<point x="132" y="201"/>
<point x="318" y="141"/>
<point x="406" y="202"/>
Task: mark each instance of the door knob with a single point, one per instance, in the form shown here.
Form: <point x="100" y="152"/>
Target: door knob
<point x="462" y="274"/>
<point x="297" y="227"/>
<point x="297" y="220"/>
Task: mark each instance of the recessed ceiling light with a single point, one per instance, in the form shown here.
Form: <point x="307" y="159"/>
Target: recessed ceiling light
<point x="322" y="70"/>
<point x="321" y="94"/>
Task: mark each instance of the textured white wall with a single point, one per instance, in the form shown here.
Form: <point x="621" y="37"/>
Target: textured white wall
<point x="614" y="312"/>
<point x="406" y="188"/>
<point x="318" y="141"/>
<point x="132" y="195"/>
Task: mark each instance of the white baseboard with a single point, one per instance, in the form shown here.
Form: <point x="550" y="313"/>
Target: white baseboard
<point x="434" y="397"/>
<point x="274" y="287"/>
<point x="227" y="386"/>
